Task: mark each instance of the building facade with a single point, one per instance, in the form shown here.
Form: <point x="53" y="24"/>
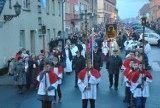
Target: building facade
<point x="70" y="15"/>
<point x="155" y="10"/>
<point x="24" y="31"/>
<point x="144" y="11"/>
<point x="74" y="21"/>
<point x="106" y="10"/>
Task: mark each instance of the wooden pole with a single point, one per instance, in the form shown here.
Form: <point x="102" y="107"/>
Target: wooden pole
<point x="86" y="30"/>
<point x="143" y="42"/>
<point x="44" y="52"/>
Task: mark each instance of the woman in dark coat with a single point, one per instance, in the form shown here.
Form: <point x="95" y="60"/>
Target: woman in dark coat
<point x="20" y="75"/>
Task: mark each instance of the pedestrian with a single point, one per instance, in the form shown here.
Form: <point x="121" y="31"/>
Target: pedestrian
<point x="11" y="64"/>
<point x="140" y="86"/>
<point x="68" y="59"/>
<point x="58" y="70"/>
<point x="48" y="82"/>
<point x="34" y="69"/>
<point x="87" y="81"/>
<point x="20" y="75"/>
<point x="130" y="57"/>
<point x="97" y="59"/>
<point x="78" y="64"/>
<point x="113" y="66"/>
<point x="28" y="71"/>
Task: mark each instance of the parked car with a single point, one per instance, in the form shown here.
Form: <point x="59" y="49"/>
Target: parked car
<point x="152" y="38"/>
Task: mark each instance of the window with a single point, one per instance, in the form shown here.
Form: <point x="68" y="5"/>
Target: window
<point x="145" y="35"/>
<point x="47" y="6"/>
<point x="152" y="36"/>
<point x="26" y="4"/>
<point x="54" y="33"/>
<point x="59" y="5"/>
<point x="22" y="39"/>
<point x="39" y="21"/>
<point x="39" y="9"/>
<point x="53" y="2"/>
<point x="67" y="7"/>
<point x="40" y="32"/>
<point x="49" y="36"/>
<point x="10" y="4"/>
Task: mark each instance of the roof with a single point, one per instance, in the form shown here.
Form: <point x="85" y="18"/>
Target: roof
<point x="145" y="9"/>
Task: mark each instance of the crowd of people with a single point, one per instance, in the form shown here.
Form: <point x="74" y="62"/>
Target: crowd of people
<point x="69" y="55"/>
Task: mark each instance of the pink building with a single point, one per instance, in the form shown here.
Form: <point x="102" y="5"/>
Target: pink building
<point x="155" y="10"/>
<point x="70" y="15"/>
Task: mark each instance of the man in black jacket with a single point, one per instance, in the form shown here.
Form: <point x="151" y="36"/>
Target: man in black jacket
<point x="78" y="65"/>
<point x="97" y="59"/>
<point x="113" y="66"/>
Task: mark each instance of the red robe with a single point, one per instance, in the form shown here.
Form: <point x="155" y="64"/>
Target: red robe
<point x="60" y="69"/>
<point x="83" y="72"/>
<point x="52" y="78"/>
<point x="126" y="72"/>
<point x="136" y="75"/>
<point x="127" y="62"/>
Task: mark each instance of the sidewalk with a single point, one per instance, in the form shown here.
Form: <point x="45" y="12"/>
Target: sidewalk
<point x="6" y="80"/>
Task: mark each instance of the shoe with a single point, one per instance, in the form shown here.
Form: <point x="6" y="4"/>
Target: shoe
<point x="76" y="86"/>
<point x="116" y="88"/>
<point x="128" y="106"/>
<point x="59" y="100"/>
<point x="20" y="92"/>
<point x="54" y="102"/>
<point x="110" y="86"/>
<point x="124" y="101"/>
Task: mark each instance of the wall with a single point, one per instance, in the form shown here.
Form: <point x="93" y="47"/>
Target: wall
<point x="27" y="20"/>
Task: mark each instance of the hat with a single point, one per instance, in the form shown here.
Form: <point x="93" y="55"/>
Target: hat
<point x="115" y="51"/>
<point x="95" y="46"/>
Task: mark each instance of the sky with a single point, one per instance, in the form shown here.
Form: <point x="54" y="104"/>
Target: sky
<point x="129" y="8"/>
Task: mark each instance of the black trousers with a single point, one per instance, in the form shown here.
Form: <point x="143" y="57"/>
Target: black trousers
<point x="76" y="78"/>
<point x="58" y="91"/>
<point x="28" y="79"/>
<point x="20" y="87"/>
<point x="116" y="78"/>
<point x="46" y="104"/>
<point x="128" y="95"/>
<point x="85" y="103"/>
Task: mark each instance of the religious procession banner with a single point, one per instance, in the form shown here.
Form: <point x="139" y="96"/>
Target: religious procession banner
<point x="111" y="31"/>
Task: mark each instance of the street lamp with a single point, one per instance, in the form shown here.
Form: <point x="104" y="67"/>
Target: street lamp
<point x="17" y="8"/>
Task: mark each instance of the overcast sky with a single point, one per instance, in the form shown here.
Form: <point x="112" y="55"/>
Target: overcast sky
<point x="129" y="8"/>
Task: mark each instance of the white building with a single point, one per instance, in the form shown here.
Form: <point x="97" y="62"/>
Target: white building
<point x="25" y="30"/>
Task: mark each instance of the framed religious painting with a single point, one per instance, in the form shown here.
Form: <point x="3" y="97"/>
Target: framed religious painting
<point x="111" y="31"/>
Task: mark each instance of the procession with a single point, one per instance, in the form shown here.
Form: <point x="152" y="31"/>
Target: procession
<point x="45" y="72"/>
<point x="104" y="65"/>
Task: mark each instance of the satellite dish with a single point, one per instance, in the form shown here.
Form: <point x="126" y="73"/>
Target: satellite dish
<point x="76" y="8"/>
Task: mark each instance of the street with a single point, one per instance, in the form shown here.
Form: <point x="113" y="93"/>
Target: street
<point x="71" y="97"/>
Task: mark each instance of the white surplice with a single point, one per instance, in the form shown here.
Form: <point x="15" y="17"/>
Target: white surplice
<point x="41" y="90"/>
<point x="92" y="93"/>
<point x="138" y="92"/>
<point x="68" y="67"/>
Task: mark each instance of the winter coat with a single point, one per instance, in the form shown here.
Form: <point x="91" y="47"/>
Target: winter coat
<point x="78" y="63"/>
<point x="114" y="64"/>
<point x="19" y="70"/>
<point x="97" y="60"/>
